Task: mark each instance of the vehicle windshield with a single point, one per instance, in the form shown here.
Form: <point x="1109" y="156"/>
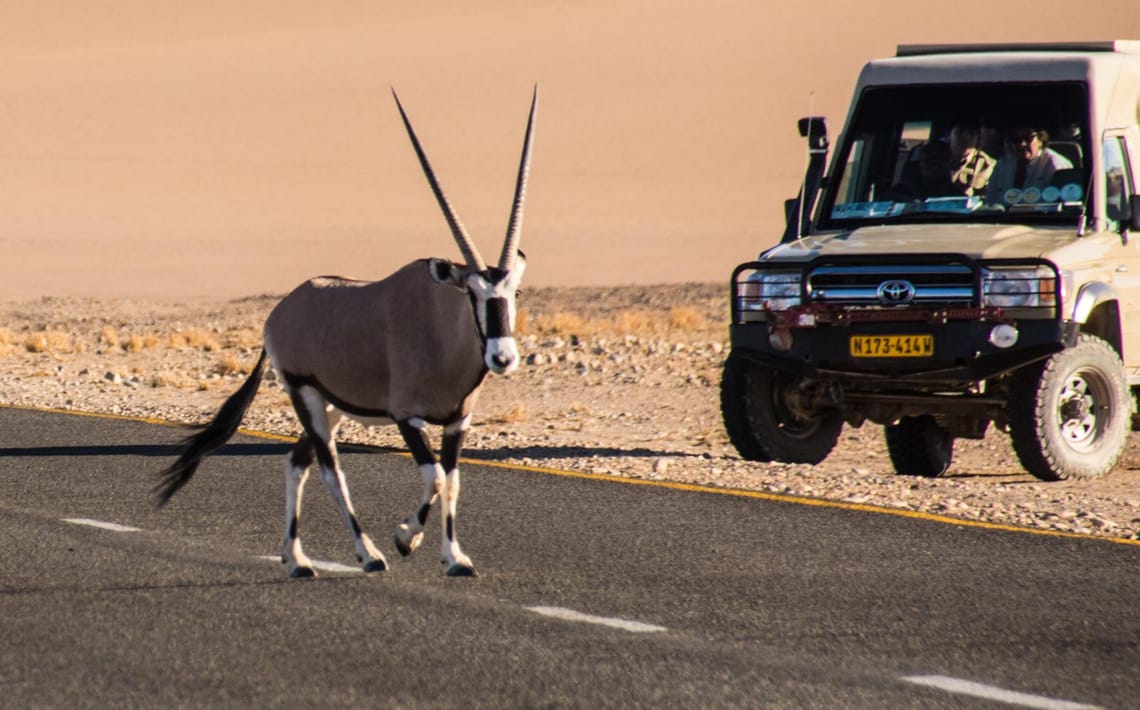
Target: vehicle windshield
<point x="963" y="153"/>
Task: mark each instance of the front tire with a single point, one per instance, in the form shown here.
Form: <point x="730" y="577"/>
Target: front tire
<point x="759" y="423"/>
<point x="1069" y="415"/>
<point x="919" y="447"/>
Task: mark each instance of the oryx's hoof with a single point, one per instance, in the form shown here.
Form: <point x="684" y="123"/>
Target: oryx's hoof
<point x="377" y="565"/>
<point x="461" y="570"/>
<point x="402" y="547"/>
<point x="407" y="547"/>
<point x="302" y="573"/>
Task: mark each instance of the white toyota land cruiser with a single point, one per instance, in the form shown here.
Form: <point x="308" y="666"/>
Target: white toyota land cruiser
<point x="1008" y="294"/>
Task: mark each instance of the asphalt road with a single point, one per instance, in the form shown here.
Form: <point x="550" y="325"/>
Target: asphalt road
<point x="591" y="593"/>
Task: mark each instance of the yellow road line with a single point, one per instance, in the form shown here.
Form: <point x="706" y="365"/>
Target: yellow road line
<point x="671" y="485"/>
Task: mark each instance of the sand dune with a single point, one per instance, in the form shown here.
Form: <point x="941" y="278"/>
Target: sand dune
<point x="173" y="151"/>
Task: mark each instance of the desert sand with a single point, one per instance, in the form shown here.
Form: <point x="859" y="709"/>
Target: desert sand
<point x="214" y="150"/>
<point x="160" y="162"/>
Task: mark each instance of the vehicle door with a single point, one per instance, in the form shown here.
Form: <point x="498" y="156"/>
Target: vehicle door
<point x="1119" y="185"/>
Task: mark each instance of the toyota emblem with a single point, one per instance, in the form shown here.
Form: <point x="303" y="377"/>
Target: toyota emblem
<point x="895" y="292"/>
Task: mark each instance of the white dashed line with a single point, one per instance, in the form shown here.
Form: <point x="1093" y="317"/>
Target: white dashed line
<point x="571" y="615"/>
<point x="989" y="692"/>
<point x="322" y="565"/>
<point x="114" y="527"/>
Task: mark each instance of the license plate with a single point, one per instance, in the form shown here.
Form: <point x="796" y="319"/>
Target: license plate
<point x="892" y="345"/>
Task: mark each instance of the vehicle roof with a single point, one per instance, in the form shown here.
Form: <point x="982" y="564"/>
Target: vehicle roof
<point x="1126" y="46"/>
<point x="1111" y="68"/>
<point x="953" y="63"/>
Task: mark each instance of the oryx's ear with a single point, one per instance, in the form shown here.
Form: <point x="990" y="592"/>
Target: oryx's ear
<point x="445" y="272"/>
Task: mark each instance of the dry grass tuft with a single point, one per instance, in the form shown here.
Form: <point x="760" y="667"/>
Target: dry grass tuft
<point x="242" y="338"/>
<point x="49" y="341"/>
<point x="686" y="318"/>
<point x="195" y="338"/>
<point x="639" y="322"/>
<point x="109" y="337"/>
<point x="168" y="379"/>
<point x="561" y="323"/>
<point x="635" y="322"/>
<point x="516" y="414"/>
<point x="137" y="343"/>
<point x="227" y="364"/>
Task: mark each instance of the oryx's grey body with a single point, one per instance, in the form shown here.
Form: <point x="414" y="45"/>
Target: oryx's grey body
<point x="410" y="349"/>
<point x="354" y="342"/>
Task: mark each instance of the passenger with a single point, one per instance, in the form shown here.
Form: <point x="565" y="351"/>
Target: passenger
<point x="970" y="166"/>
<point x="1030" y="164"/>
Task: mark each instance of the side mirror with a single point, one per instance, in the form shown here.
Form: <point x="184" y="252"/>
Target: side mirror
<point x="1133" y="217"/>
<point x="814" y="128"/>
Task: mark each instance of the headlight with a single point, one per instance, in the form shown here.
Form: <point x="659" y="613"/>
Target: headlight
<point x="1019" y="288"/>
<point x="774" y="290"/>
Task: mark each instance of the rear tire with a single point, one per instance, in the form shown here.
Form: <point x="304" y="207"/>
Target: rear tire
<point x="1069" y="415"/>
<point x="918" y="446"/>
<point x="760" y="425"/>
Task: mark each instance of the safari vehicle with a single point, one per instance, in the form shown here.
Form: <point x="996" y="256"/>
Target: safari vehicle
<point x="940" y="316"/>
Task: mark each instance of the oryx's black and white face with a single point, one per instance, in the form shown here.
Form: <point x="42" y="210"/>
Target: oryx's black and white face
<point x="494" y="292"/>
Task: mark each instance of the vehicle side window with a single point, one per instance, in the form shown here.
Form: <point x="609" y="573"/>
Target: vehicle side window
<point x="1118" y="180"/>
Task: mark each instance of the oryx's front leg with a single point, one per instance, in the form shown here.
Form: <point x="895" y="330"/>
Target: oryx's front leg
<point x="320" y="422"/>
<point x="440" y="481"/>
<point x="410" y="533"/>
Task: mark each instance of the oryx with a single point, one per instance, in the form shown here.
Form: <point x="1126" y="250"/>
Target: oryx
<point x="411" y="349"/>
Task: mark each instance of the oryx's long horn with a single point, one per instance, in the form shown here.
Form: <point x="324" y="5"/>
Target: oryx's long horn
<point x="514" y="227"/>
<point x="470" y="252"/>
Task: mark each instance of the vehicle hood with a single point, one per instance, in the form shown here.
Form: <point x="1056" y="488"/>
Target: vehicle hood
<point x="973" y="240"/>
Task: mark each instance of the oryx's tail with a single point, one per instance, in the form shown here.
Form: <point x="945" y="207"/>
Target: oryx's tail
<point x="196" y="447"/>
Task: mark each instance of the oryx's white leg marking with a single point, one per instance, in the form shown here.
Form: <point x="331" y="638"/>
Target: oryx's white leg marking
<point x="441" y="480"/>
<point x="458" y="564"/>
<point x="320" y="422"/>
<point x="296" y="473"/>
<point x="409" y="534"/>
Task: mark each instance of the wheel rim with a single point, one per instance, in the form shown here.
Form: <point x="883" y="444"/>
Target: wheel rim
<point x="1081" y="407"/>
<point x="791" y="424"/>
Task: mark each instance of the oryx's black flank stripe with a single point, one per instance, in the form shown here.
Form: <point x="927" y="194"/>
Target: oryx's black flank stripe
<point x="498" y="323"/>
<point x="298" y="381"/>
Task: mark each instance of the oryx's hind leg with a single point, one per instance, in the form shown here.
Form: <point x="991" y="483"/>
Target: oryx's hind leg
<point x="441" y="480"/>
<point x="320" y="422"/>
<point x="296" y="473"/>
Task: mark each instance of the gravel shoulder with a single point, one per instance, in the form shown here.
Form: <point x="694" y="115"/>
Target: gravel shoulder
<point x="617" y="381"/>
